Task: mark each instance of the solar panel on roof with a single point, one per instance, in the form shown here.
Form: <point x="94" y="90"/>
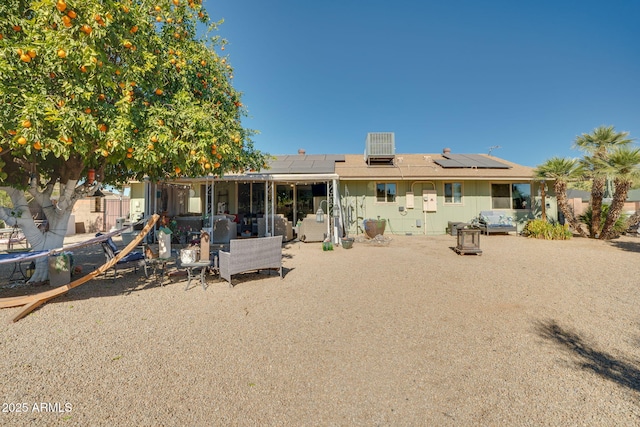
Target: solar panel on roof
<point x="470" y="161"/>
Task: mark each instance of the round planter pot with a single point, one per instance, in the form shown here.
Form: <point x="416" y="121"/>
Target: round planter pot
<point x="373" y="227"/>
<point x="347" y="242"/>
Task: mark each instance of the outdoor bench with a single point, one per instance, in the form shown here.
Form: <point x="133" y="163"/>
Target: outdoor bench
<point x="244" y="255"/>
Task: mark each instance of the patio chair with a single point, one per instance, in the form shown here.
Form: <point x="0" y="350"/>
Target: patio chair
<point x="133" y="259"/>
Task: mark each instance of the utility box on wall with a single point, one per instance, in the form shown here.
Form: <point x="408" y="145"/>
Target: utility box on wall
<point x="429" y="201"/>
<point x="409" y="200"/>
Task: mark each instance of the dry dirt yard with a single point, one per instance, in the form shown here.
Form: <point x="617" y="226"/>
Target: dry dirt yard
<point x="404" y="333"/>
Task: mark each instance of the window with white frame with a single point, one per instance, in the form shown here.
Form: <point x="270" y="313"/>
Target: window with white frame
<point x="453" y="193"/>
<point x="511" y="196"/>
<point x="385" y="192"/>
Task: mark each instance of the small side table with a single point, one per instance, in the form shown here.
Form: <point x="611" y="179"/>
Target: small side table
<point x="191" y="266"/>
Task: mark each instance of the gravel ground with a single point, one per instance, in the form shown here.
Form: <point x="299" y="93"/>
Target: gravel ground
<point x="402" y="333"/>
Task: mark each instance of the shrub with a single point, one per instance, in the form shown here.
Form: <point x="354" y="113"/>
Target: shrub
<point x="619" y="227"/>
<point x="539" y="229"/>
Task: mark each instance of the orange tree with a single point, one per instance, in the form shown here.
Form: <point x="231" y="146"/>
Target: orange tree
<point x="126" y="88"/>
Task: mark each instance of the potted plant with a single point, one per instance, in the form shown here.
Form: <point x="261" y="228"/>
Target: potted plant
<point x="60" y="269"/>
<point x="373" y="227"/>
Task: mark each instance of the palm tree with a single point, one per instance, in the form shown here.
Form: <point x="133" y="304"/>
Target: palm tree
<point x="624" y="167"/>
<point x="561" y="171"/>
<point x="597" y="145"/>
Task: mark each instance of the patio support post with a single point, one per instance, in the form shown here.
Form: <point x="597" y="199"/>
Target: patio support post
<point x="336" y="211"/>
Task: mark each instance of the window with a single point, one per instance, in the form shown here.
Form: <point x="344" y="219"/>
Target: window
<point x="453" y="193"/>
<point x="521" y="196"/>
<point x="386" y="192"/>
<point x="510" y="196"/>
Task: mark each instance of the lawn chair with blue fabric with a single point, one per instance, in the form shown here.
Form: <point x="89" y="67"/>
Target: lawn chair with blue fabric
<point x="133" y="259"/>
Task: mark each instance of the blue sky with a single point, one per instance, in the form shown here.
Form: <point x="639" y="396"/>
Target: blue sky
<point x="528" y="76"/>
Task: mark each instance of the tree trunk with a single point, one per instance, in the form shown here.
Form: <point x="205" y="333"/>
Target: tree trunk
<point x="20" y="216"/>
<point x="633" y="219"/>
<point x="617" y="204"/>
<point x="597" y="193"/>
<point x="561" y="195"/>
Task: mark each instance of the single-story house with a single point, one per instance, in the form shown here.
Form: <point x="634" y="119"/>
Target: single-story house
<point x="414" y="193"/>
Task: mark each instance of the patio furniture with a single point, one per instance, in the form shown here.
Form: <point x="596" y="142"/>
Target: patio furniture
<point x="261" y="253"/>
<point x="192" y="267"/>
<point x="133" y="259"/>
<point x="224" y="229"/>
<point x="282" y="227"/>
<point x="311" y="230"/>
<point x="13" y="236"/>
<point x="468" y="239"/>
<point x="495" y="222"/>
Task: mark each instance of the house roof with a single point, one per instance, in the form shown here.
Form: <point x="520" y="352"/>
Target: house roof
<point x="403" y="167"/>
<point x="434" y="166"/>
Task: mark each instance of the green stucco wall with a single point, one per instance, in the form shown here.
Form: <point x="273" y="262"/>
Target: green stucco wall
<point x="359" y="203"/>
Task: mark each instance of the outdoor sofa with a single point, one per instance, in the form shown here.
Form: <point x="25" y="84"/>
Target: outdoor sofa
<point x="260" y="253"/>
<point x="495" y="222"/>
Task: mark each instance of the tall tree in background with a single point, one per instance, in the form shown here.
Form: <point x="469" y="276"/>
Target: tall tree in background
<point x="124" y="88"/>
<point x="597" y="146"/>
<point x="623" y="166"/>
<point x="561" y="171"/>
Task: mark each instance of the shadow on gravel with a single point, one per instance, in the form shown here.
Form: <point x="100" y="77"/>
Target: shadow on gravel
<point x="623" y="372"/>
<point x="626" y="246"/>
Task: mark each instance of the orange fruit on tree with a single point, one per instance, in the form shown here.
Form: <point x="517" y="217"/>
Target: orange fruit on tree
<point x="66" y="19"/>
<point x="150" y="147"/>
<point x="133" y="29"/>
<point x="71" y="14"/>
<point x="17" y="28"/>
<point x="127" y="44"/>
<point x="83" y="68"/>
<point x="86" y="29"/>
<point x="203" y="62"/>
<point x="87" y="110"/>
<point x="129" y="150"/>
<point x="129" y="155"/>
<point x="32" y="53"/>
<point x="22" y="140"/>
<point x="159" y="18"/>
<point x="176" y="2"/>
<point x="61" y="5"/>
<point x="161" y="122"/>
<point x="12" y="132"/>
<point x="25" y="58"/>
<point x="101" y="97"/>
<point x="62" y="53"/>
<point x="154" y="138"/>
<point x="105" y="153"/>
<point x="37" y="145"/>
<point x="159" y="92"/>
<point x="216" y="165"/>
<point x="102" y="127"/>
<point x="177" y="170"/>
<point x="26" y="124"/>
<point x="157" y="8"/>
<point x="207" y="165"/>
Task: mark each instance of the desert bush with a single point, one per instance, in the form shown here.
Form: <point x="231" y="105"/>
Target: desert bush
<point x="539" y="229"/>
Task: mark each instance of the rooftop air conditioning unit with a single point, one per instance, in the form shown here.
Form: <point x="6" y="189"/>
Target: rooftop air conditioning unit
<point x="380" y="148"/>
